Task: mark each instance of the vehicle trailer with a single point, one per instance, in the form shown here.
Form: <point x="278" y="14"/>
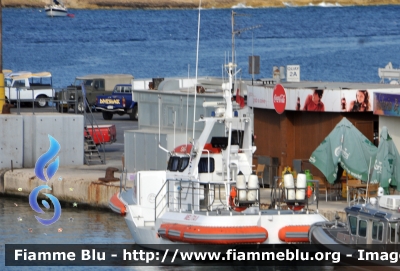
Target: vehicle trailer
<point x="101" y="134"/>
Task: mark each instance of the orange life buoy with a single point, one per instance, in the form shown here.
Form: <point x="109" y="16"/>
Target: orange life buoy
<point x="232" y="196"/>
<point x="295" y="207"/>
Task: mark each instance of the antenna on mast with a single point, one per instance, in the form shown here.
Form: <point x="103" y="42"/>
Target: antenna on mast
<point x="238" y="31"/>
<point x="197" y="66"/>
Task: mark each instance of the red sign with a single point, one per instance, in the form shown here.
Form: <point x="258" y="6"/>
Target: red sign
<point x="279" y="98"/>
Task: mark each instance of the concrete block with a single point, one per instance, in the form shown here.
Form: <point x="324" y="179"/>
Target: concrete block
<point x="11" y="141"/>
<point x="66" y="129"/>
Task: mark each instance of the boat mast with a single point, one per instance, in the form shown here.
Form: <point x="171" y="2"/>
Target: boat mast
<point x="197" y="66"/>
<point x="232" y="65"/>
<point x="234" y="32"/>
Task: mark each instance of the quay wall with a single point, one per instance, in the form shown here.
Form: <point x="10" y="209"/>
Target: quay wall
<point x="80" y="186"/>
<point x="24" y="138"/>
<point x="69" y="185"/>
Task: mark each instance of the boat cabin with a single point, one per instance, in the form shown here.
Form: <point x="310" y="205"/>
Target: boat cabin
<point x="376" y="223"/>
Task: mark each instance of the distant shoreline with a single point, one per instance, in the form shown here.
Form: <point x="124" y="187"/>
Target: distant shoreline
<point x="190" y="4"/>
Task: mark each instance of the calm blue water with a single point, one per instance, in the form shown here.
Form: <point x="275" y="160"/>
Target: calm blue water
<point x="330" y="44"/>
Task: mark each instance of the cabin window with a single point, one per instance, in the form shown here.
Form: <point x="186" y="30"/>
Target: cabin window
<point x="398" y="234"/>
<point x="98" y="84"/>
<point x="88" y="83"/>
<point x="237" y="138"/>
<point x="176" y="163"/>
<point x="353" y="224"/>
<point x="173" y="163"/>
<point x="204" y="167"/>
<point x="362" y="228"/>
<point x="183" y="163"/>
<point x="377" y="230"/>
<point x="19" y="83"/>
<point x="392" y="232"/>
<point x="8" y="82"/>
<point x="117" y="89"/>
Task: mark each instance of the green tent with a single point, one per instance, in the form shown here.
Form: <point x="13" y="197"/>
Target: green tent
<point x="386" y="169"/>
<point x="349" y="147"/>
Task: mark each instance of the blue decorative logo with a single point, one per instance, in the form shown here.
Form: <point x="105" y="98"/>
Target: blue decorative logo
<point x="45" y="174"/>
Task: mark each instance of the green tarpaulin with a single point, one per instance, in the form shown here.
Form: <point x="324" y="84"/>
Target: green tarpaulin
<point x="386" y="168"/>
<point x="349" y="147"/>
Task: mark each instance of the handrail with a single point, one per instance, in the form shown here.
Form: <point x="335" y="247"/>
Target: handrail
<point x="190" y="186"/>
<point x="93" y="124"/>
<point x="155" y="200"/>
<point x="32" y="100"/>
<point x="278" y="194"/>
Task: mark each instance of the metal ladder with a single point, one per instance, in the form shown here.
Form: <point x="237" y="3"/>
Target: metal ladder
<point x="90" y="150"/>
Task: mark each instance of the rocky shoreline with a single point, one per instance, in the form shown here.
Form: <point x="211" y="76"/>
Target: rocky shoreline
<point x="188" y="4"/>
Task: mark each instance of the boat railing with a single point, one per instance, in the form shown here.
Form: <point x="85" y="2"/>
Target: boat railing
<point x="240" y="202"/>
<point x="192" y="196"/>
<point x="123" y="179"/>
<point x="158" y="200"/>
<point x="295" y="198"/>
<point x="184" y="195"/>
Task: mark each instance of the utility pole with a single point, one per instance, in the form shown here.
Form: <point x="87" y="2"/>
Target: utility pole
<point x="2" y="91"/>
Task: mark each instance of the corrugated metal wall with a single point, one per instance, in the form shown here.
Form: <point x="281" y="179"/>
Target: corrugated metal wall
<point x="24" y="138"/>
<point x="295" y="135"/>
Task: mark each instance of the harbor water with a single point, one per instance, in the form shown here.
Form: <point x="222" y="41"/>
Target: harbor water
<point x="330" y="44"/>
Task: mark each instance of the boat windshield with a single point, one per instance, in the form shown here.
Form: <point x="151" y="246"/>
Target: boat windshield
<point x="362" y="228"/>
<point x="177" y="163"/>
<point x="377" y="230"/>
<point x="353" y="224"/>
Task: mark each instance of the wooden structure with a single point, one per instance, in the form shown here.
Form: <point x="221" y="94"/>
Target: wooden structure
<point x="296" y="134"/>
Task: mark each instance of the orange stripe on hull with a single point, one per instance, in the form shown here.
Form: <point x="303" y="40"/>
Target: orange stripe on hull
<point x="213" y="235"/>
<point x="117" y="204"/>
<point x="294" y="234"/>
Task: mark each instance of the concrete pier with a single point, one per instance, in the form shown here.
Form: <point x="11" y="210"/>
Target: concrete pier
<point x="81" y="185"/>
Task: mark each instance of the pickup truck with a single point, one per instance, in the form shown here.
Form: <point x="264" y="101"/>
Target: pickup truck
<point x="119" y="102"/>
<point x="94" y="85"/>
<point x="29" y="87"/>
<point x="101" y="134"/>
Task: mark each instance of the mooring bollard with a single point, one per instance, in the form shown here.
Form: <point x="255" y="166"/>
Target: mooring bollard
<point x="6" y="108"/>
<point x="110" y="175"/>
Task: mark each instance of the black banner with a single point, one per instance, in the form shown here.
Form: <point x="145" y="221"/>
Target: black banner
<point x="211" y="255"/>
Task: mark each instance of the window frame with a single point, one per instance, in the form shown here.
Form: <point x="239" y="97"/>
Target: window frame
<point x="360" y="227"/>
<point x="377" y="230"/>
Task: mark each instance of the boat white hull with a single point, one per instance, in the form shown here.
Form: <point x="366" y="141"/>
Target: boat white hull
<point x="56" y="12"/>
<point x="148" y="233"/>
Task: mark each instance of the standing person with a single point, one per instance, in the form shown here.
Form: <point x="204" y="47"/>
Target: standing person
<point x="361" y="103"/>
<point x="313" y="101"/>
<point x="343" y="104"/>
<point x="298" y="104"/>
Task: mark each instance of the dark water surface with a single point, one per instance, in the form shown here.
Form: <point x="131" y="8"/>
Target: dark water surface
<point x="330" y="44"/>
